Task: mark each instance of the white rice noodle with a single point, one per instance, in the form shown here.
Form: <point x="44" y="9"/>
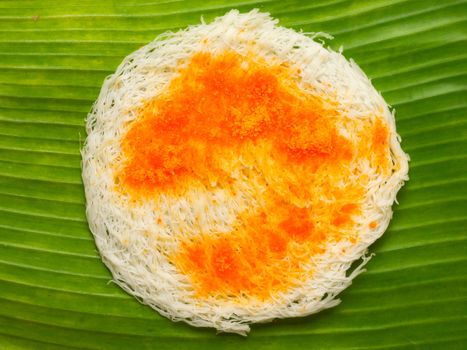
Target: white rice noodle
<point x="135" y="248"/>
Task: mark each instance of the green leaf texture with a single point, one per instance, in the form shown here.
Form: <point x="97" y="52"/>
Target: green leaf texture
<point x="54" y="290"/>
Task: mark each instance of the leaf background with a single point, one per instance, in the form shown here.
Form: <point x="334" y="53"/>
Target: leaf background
<point x="54" y="290"/>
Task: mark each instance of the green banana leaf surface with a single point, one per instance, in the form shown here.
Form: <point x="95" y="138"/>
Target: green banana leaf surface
<point x="55" y="291"/>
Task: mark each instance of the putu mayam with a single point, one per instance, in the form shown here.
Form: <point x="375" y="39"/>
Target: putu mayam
<point x="235" y="170"/>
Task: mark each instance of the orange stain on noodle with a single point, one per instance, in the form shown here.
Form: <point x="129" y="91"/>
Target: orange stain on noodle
<point x="217" y="107"/>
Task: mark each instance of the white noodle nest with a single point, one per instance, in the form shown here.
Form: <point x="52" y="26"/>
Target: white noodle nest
<point x="126" y="233"/>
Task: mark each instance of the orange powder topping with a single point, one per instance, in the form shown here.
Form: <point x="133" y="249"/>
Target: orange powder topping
<point x="220" y="108"/>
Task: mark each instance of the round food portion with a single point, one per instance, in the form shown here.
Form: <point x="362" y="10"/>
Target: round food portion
<point x="234" y="171"/>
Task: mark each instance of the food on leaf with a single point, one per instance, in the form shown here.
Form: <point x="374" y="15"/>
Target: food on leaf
<point x="234" y="171"/>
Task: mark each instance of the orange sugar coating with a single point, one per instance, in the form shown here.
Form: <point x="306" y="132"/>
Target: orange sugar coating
<point x="373" y="224"/>
<point x="220" y="102"/>
<point x="223" y="107"/>
<point x="380" y="144"/>
<point x="255" y="261"/>
<point x="265" y="255"/>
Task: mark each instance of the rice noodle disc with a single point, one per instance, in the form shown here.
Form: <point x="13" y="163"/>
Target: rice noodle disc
<point x="234" y="171"/>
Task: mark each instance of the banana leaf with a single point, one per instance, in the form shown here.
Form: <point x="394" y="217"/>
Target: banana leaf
<point x="54" y="290"/>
